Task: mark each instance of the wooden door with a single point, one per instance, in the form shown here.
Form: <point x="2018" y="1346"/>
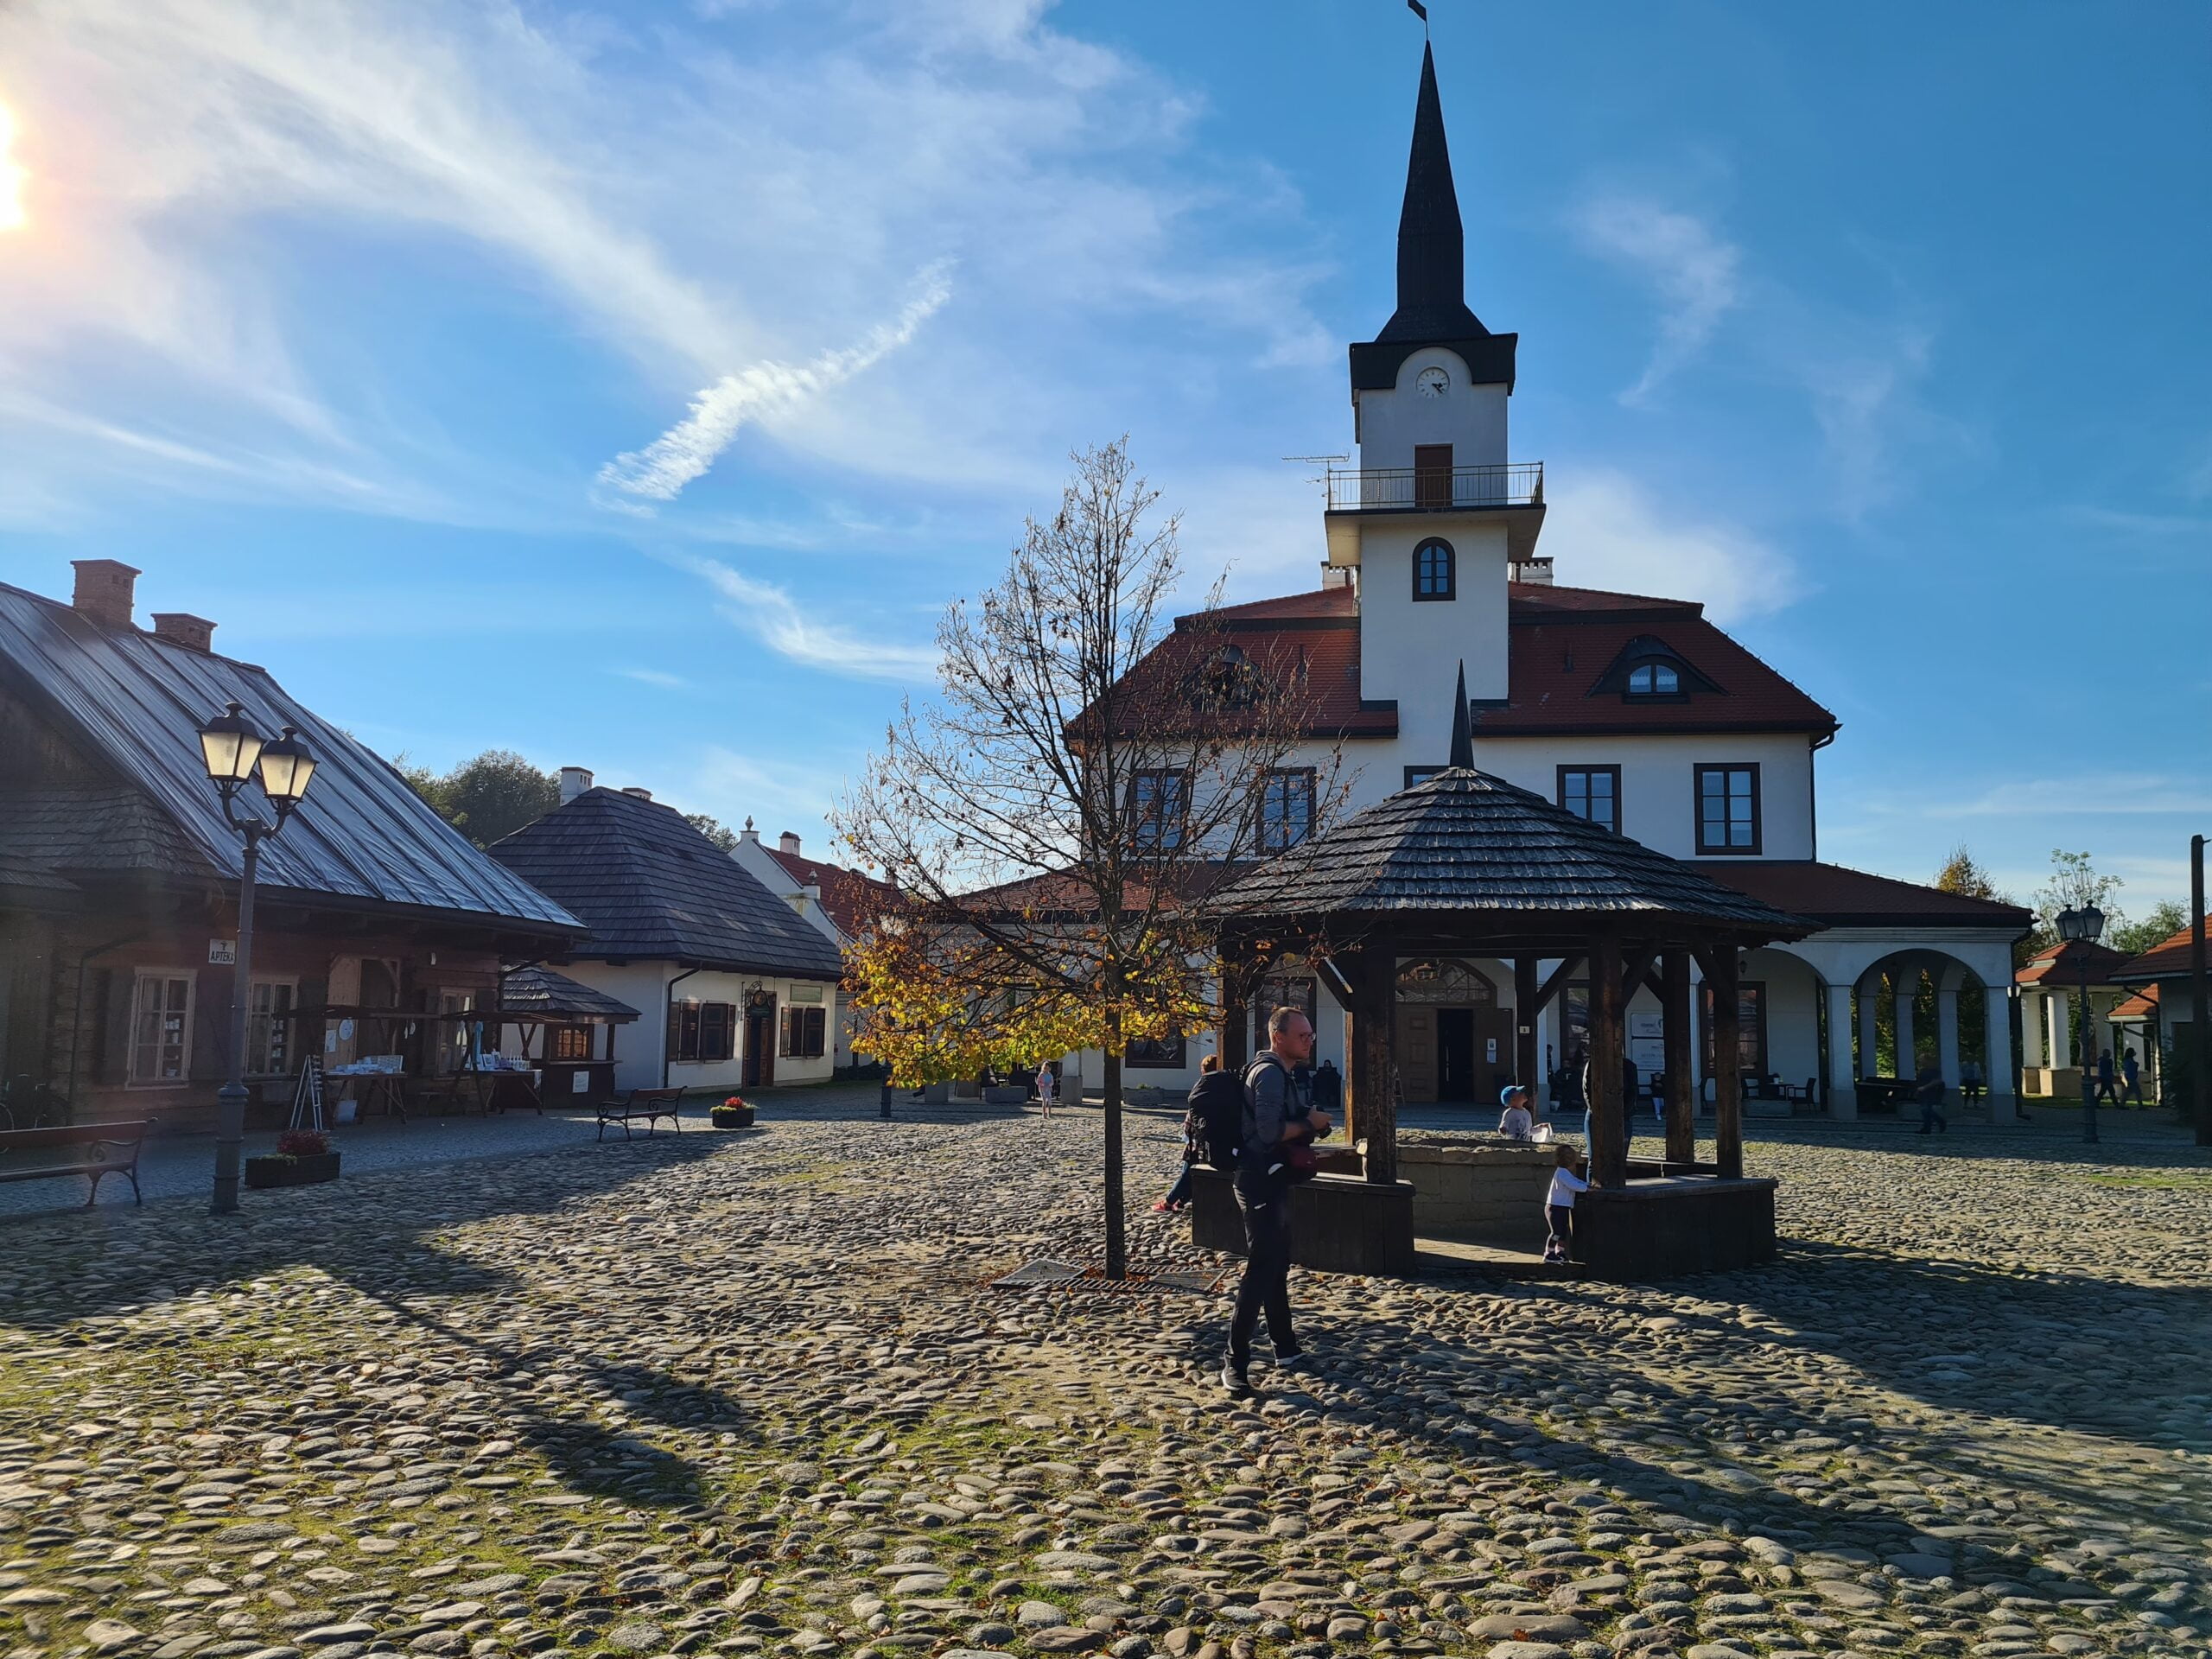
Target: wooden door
<point x="760" y="1070"/>
<point x="1431" y="475"/>
<point x="1458" y="1074"/>
<point x="1417" y="1052"/>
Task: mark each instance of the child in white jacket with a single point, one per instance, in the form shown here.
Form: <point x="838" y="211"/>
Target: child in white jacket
<point x="1558" y="1208"/>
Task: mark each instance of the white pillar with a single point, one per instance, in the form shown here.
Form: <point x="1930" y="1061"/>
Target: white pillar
<point x="1947" y="1033"/>
<point x="1843" y="1074"/>
<point x="2056" y="1005"/>
<point x="2031" y="1028"/>
<point x="1997" y="1067"/>
<point x="1869" y="989"/>
<point x="1908" y="988"/>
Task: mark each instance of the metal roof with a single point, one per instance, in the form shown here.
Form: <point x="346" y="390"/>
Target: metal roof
<point x="653" y="888"/>
<point x="136" y="702"/>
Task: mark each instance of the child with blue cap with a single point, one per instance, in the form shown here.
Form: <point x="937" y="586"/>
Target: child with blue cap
<point x="1516" y="1120"/>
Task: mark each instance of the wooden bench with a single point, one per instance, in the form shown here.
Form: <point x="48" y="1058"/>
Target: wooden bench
<point x="641" y="1105"/>
<point x="96" y="1150"/>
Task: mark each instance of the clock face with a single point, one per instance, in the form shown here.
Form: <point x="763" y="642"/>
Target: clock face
<point x="1433" y="383"/>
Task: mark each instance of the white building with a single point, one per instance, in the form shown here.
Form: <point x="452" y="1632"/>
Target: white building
<point x="840" y="903"/>
<point x="737" y="990"/>
<point x="1630" y="709"/>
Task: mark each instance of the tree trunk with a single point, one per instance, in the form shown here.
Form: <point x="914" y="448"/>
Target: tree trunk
<point x="1117" y="1245"/>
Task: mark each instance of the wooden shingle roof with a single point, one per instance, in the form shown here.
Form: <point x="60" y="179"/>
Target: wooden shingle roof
<point x="651" y="888"/>
<point x="1465" y="842"/>
<point x="537" y="992"/>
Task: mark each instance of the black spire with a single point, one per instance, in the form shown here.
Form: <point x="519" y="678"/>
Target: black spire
<point x="1432" y="247"/>
<point x="1463" y="737"/>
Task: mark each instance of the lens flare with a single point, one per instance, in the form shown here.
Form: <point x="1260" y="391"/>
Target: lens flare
<point x="11" y="176"/>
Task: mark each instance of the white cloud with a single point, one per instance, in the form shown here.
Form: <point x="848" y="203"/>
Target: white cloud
<point x="655" y="677"/>
<point x="662" y="467"/>
<point x="1696" y="271"/>
<point x="780" y="622"/>
<point x="1605" y="531"/>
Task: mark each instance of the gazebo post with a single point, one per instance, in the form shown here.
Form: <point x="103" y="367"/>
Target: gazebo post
<point x="1727" y="1060"/>
<point x="1682" y="1078"/>
<point x="1608" y="1157"/>
<point x="1524" y="1028"/>
<point x="1233" y="1040"/>
<point x="1375" y="1059"/>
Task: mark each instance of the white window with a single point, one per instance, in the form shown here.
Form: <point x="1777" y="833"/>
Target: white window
<point x="161" y="1028"/>
<point x="269" y="1028"/>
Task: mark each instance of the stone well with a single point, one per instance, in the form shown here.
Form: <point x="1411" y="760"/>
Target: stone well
<point x="1481" y="1187"/>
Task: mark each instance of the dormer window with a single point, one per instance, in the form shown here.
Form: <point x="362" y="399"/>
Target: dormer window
<point x="1435" y="570"/>
<point x="1648" y="670"/>
<point x="1654" y="680"/>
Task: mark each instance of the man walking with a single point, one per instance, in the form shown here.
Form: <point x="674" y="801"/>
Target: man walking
<point x="2130" y="1072"/>
<point x="1278" y="1115"/>
<point x="2106" y="1092"/>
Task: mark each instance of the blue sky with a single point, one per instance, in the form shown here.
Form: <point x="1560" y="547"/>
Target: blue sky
<point x="631" y="386"/>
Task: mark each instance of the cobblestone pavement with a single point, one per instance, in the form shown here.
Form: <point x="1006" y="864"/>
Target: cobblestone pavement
<point x="749" y="1392"/>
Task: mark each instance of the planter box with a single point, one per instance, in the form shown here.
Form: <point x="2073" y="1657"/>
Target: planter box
<point x="292" y="1172"/>
<point x="731" y="1117"/>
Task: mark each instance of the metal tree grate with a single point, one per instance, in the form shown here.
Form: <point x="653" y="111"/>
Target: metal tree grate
<point x="1047" y="1274"/>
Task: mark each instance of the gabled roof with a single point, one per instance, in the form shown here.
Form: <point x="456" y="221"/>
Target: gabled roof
<point x="1842" y="897"/>
<point x="1466" y="842"/>
<point x="2168" y="959"/>
<point x="651" y="888"/>
<point x="1563" y="641"/>
<point x="2137" y="1005"/>
<point x="855" y="901"/>
<point x="537" y="992"/>
<point x="2064" y="961"/>
<point x="134" y="704"/>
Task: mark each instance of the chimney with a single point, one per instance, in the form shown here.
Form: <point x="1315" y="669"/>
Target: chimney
<point x="104" y="591"/>
<point x="575" y="780"/>
<point x="1336" y="576"/>
<point x="642" y="794"/>
<point x="1536" y="573"/>
<point x="182" y="628"/>
<point x="749" y="833"/>
<point x="813" y="892"/>
<point x="787" y="842"/>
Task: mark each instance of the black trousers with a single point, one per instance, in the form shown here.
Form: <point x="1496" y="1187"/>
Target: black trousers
<point x="1267" y="1276"/>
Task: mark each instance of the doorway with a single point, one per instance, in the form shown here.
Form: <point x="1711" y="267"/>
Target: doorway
<point x="1455" y="1054"/>
<point x="760" y="1067"/>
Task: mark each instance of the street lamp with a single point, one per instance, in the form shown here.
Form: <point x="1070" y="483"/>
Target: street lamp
<point x="2085" y="924"/>
<point x="233" y="753"/>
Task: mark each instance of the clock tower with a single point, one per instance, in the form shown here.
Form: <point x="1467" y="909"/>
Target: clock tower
<point x="1434" y="513"/>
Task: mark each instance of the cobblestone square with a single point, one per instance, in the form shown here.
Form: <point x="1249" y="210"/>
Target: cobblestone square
<point x="752" y="1393"/>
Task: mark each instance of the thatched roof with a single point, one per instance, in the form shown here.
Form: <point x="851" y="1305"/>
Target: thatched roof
<point x="1464" y="843"/>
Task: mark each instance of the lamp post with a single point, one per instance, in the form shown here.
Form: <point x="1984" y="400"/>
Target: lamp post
<point x="2085" y="924"/>
<point x="234" y="752"/>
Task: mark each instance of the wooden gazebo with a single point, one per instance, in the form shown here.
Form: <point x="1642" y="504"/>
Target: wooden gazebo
<point x="1467" y="864"/>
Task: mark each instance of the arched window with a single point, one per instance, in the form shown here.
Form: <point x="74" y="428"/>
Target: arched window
<point x="1654" y="680"/>
<point x="1435" y="574"/>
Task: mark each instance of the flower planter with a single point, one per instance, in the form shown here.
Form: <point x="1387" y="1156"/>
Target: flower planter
<point x="731" y="1117"/>
<point x="299" y="1171"/>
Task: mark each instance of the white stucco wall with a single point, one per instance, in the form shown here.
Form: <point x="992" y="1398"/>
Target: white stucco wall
<point x="1411" y="650"/>
<point x="645" y="986"/>
<point x="1470" y="419"/>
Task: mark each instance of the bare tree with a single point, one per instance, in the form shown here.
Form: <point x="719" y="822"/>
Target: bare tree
<point x="1091" y="768"/>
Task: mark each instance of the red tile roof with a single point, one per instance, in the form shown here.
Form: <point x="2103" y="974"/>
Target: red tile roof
<point x="1843" y="897"/>
<point x="1563" y="639"/>
<point x="2062" y="961"/>
<point x="2140" y="1004"/>
<point x="2168" y="959"/>
<point x="854" y="901"/>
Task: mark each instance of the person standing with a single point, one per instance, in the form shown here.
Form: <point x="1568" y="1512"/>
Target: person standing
<point x="1516" y="1120"/>
<point x="1930" y="1088"/>
<point x="1278" y="1115"/>
<point x="1048" y="1085"/>
<point x="2130" y="1072"/>
<point x="1217" y="1097"/>
<point x="1559" y="1206"/>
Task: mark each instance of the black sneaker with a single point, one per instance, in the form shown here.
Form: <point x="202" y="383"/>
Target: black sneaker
<point x="1234" y="1380"/>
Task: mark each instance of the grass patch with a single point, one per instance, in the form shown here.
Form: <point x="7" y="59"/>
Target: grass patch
<point x="2158" y="1180"/>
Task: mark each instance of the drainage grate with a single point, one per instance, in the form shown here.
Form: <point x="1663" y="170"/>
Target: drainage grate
<point x="1047" y="1274"/>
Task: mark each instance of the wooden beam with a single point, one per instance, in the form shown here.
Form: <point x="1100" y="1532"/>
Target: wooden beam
<point x="1681" y="1070"/>
<point x="1608" y="1157"/>
<point x="1374" y="1058"/>
<point x="1727" y="1083"/>
<point x="1552" y="986"/>
<point x="1524" y="1028"/>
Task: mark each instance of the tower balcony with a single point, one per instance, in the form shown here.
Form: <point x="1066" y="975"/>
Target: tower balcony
<point x="1435" y="489"/>
<point x="1511" y="494"/>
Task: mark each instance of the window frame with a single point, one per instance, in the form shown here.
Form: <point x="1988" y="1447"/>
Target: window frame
<point x="1750" y="993"/>
<point x="1148" y="828"/>
<point x="1654" y="665"/>
<point x="688" y="1030"/>
<point x="558" y="1037"/>
<point x="803" y="1032"/>
<point x="1306" y="992"/>
<point x="1156" y="1054"/>
<point x="140" y="977"/>
<point x="1727" y="848"/>
<point x="1559" y="796"/>
<point x="1424" y="774"/>
<point x="1451" y="589"/>
<point x="1307" y="779"/>
<point x="263" y="1033"/>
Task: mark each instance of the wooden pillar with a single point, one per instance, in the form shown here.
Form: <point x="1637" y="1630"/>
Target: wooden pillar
<point x="1681" y="1072"/>
<point x="1233" y="1040"/>
<point x="1373" y="1056"/>
<point x="1727" y="1060"/>
<point x="1608" y="1157"/>
<point x="1526" y="1069"/>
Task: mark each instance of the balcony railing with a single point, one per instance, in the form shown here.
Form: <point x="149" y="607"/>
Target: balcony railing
<point x="1520" y="483"/>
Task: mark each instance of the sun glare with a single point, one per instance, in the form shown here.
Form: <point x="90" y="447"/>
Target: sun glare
<point x="11" y="176"/>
